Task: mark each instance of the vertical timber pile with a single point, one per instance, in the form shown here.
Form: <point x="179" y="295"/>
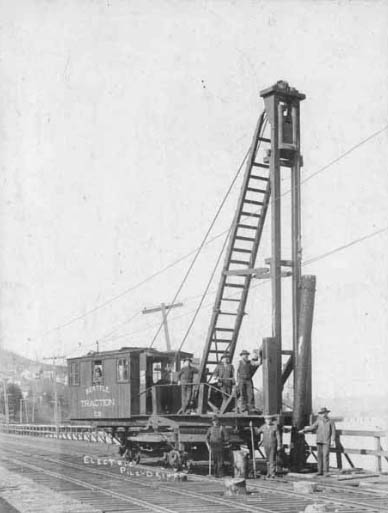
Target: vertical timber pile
<point x="282" y="106"/>
<point x="302" y="373"/>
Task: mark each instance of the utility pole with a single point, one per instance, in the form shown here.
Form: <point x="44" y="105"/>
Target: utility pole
<point x="56" y="417"/>
<point x="33" y="408"/>
<point x="6" y="402"/>
<point x="163" y="308"/>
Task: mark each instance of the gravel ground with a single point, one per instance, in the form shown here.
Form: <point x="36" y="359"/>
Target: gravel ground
<point x="21" y="495"/>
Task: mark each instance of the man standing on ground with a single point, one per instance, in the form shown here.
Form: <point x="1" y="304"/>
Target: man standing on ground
<point x="215" y="441"/>
<point x="245" y="372"/>
<point x="224" y="374"/>
<point x="272" y="442"/>
<point x="186" y="380"/>
<point x="325" y="430"/>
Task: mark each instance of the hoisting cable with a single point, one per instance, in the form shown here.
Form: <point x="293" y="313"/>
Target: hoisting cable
<point x="183" y="257"/>
<point x="196" y="312"/>
<point x="203" y="242"/>
<point x="263" y="282"/>
<point x="228" y="234"/>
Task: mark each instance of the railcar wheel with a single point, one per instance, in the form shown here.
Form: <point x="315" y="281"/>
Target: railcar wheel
<point x="174" y="459"/>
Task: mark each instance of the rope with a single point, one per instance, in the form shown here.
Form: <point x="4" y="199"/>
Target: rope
<point x="202" y="244"/>
<point x="205" y="292"/>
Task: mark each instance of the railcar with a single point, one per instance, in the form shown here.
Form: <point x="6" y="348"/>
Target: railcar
<point x="120" y="384"/>
<point x="133" y="393"/>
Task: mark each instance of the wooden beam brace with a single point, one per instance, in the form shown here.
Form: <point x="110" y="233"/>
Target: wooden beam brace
<point x="284" y="263"/>
<point x="227" y="405"/>
<point x="287" y="369"/>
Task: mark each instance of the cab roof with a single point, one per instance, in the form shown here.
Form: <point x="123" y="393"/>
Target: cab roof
<point x="130" y="349"/>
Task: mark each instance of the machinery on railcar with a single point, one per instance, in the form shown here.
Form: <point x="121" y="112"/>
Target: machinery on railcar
<point x="135" y="392"/>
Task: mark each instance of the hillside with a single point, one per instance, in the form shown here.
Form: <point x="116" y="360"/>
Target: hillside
<point x="16" y="366"/>
<point x="30" y="388"/>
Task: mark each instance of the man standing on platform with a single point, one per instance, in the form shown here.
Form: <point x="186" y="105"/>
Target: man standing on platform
<point x="272" y="442"/>
<point x="215" y="441"/>
<point x="224" y="374"/>
<point x="245" y="372"/>
<point x="186" y="380"/>
<point x="325" y="430"/>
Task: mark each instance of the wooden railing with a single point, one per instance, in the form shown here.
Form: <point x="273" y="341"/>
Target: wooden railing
<point x="83" y="433"/>
<point x="89" y="433"/>
<point x="378" y="452"/>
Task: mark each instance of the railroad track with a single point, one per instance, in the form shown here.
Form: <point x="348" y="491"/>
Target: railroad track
<point x="110" y="491"/>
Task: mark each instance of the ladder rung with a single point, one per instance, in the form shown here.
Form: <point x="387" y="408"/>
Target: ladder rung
<point x="214" y="351"/>
<point x="259" y="164"/>
<point x="247" y="226"/>
<point x="230" y="330"/>
<point x="235" y="285"/>
<point x="239" y="262"/>
<point x="230" y="299"/>
<point x="221" y="340"/>
<point x="252" y="202"/>
<point x="250" y="214"/>
<point x="220" y="312"/>
<point x="210" y="362"/>
<point x="265" y="139"/>
<point x="265" y="179"/>
<point x="242" y="250"/>
<point x="252" y="189"/>
<point x="240" y="237"/>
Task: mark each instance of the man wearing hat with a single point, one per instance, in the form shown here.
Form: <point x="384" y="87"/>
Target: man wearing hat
<point x="245" y="372"/>
<point x="272" y="442"/>
<point x="215" y="441"/>
<point x="325" y="431"/>
<point x="224" y="374"/>
<point x="186" y="380"/>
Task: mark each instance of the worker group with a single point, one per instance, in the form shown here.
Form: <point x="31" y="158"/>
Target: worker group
<point x="269" y="434"/>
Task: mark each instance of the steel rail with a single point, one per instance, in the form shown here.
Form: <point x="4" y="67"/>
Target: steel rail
<point x="85" y="484"/>
<point x="225" y="502"/>
<point x="287" y="493"/>
<point x="186" y="493"/>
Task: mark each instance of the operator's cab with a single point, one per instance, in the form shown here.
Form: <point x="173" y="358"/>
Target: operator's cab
<point x="123" y="383"/>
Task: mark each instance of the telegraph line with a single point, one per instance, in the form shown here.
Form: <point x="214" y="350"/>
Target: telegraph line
<point x="182" y="258"/>
<point x="307" y="262"/>
<point x="263" y="282"/>
<point x="203" y="241"/>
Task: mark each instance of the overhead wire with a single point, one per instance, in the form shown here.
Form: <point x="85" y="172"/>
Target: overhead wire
<point x="264" y="281"/>
<point x="254" y="148"/>
<point x="260" y="283"/>
<point x="203" y="242"/>
<point x="320" y="170"/>
<point x="323" y="168"/>
<point x="217" y="236"/>
<point x="199" y="306"/>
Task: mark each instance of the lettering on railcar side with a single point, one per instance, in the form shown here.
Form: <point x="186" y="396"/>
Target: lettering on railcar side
<point x="97" y="403"/>
<point x="97" y="388"/>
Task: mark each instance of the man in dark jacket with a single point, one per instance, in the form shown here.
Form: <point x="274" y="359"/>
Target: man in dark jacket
<point x="272" y="442"/>
<point x="224" y="374"/>
<point x="186" y="380"/>
<point x="215" y="441"/>
<point x="245" y="372"/>
<point x="325" y="431"/>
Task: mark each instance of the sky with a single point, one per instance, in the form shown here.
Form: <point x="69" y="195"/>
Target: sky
<point x="122" y="124"/>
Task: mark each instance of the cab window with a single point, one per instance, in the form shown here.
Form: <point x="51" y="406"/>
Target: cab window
<point x="156" y="372"/>
<point x="97" y="372"/>
<point x="122" y="370"/>
<point x="74" y="379"/>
